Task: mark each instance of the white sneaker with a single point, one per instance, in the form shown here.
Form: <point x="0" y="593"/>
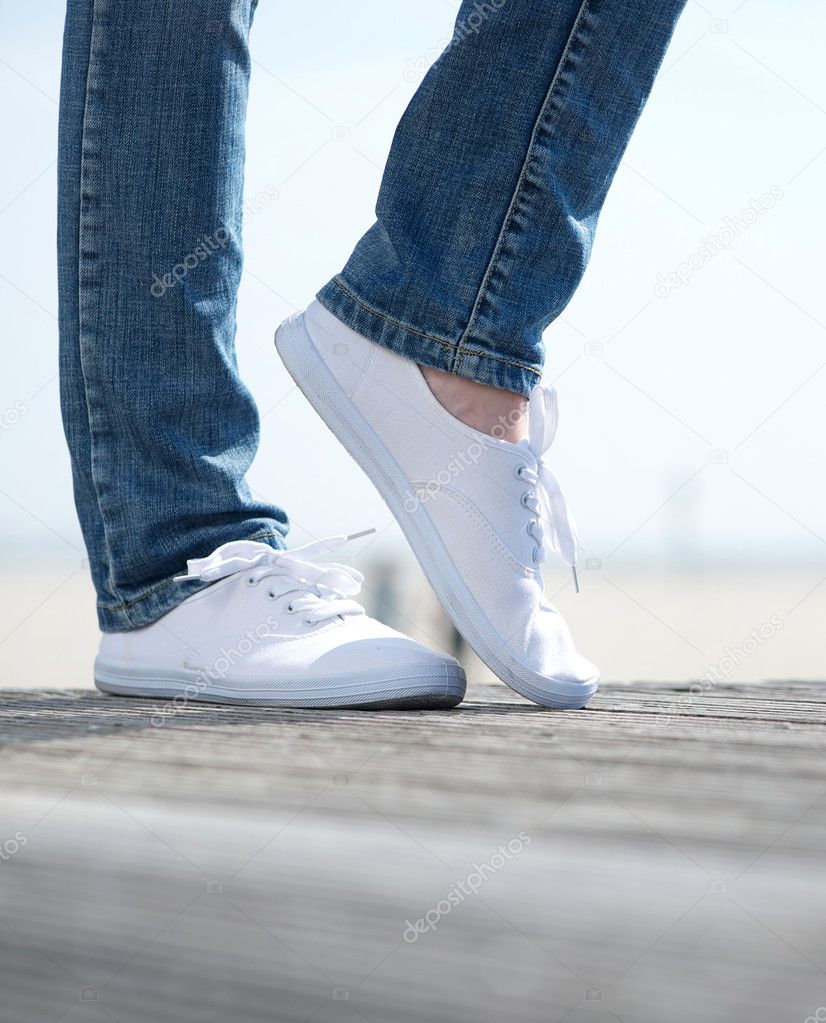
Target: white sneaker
<point x="476" y="510"/>
<point x="276" y="628"/>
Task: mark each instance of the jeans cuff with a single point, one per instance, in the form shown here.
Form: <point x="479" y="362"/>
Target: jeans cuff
<point x="147" y="607"/>
<point x="423" y="347"/>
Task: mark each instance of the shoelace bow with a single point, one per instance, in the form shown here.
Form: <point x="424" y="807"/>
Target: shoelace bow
<point x="322" y="591"/>
<point x="554" y="523"/>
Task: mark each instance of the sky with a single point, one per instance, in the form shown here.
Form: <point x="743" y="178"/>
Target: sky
<point x="691" y="364"/>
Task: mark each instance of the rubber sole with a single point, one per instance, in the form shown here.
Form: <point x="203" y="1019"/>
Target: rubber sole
<point x="311" y="374"/>
<point x="424" y="689"/>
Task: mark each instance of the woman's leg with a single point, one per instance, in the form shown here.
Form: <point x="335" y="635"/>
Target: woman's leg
<point x="496" y="177"/>
<point x="160" y="428"/>
<point x="486" y="217"/>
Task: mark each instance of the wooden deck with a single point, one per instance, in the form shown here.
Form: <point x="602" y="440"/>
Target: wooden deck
<point x="658" y="857"/>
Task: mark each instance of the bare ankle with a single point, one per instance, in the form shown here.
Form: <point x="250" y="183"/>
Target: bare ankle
<point x="490" y="410"/>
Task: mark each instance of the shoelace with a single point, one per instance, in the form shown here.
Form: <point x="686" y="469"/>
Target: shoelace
<point x="553" y="523"/>
<point x="323" y="591"/>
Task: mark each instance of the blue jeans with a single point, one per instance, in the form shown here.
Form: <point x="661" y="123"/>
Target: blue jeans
<point x="484" y="227"/>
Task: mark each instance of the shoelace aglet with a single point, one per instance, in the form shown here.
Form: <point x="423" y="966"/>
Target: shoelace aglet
<point x="358" y="536"/>
<point x="575" y="578"/>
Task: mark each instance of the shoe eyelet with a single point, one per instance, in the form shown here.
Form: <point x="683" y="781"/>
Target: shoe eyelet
<point x="252" y="581"/>
<point x="290" y="609"/>
<point x="307" y="621"/>
<point x="271" y="595"/>
<point x="518" y="472"/>
<point x="523" y="500"/>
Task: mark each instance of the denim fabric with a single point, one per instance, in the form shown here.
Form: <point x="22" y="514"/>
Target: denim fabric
<point x="495" y="180"/>
<point x="485" y="222"/>
<point x="160" y="427"/>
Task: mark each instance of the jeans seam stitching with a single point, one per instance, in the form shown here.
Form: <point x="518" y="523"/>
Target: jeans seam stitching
<point x="397" y="323"/>
<point x="137" y="600"/>
<point x="168" y="582"/>
<point x="430" y="337"/>
<point x="497" y="249"/>
<point x="94" y="29"/>
<point x="498" y="358"/>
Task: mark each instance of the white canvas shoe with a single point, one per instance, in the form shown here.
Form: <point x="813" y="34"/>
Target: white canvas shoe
<point x="276" y="628"/>
<point x="478" y="511"/>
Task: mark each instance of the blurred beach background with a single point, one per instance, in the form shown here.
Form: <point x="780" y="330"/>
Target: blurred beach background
<point x="690" y="364"/>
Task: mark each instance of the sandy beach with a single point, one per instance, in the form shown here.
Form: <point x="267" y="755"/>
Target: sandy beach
<point x="637" y="624"/>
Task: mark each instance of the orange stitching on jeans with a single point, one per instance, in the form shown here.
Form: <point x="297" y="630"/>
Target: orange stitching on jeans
<point x="429" y="337"/>
<point x="396" y="323"/>
<point x="485" y="355"/>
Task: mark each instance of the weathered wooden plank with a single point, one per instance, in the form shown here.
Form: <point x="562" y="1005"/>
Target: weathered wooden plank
<point x="214" y="863"/>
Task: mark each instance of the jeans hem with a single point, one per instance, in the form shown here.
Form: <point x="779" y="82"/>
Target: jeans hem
<point x="147" y="607"/>
<point x="529" y="183"/>
<point x="423" y="347"/>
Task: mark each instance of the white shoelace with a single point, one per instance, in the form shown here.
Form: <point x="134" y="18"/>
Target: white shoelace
<point x="553" y="523"/>
<point x="322" y="591"/>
